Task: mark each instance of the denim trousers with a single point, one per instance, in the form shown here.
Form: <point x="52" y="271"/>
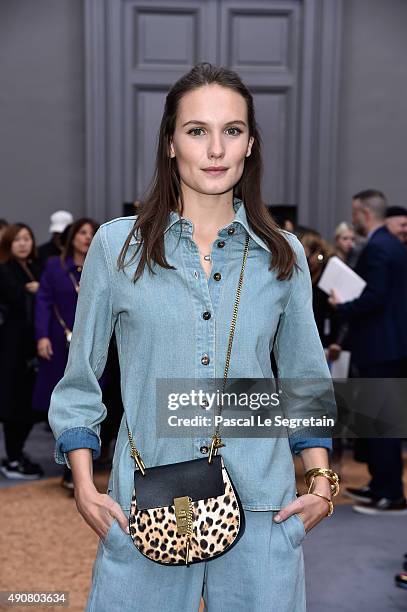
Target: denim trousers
<point x="263" y="572"/>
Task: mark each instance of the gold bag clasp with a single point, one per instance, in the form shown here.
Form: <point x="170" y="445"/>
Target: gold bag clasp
<point x="182" y="514"/>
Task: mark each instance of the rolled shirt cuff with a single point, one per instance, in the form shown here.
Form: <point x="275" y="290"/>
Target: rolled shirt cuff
<point x="297" y="445"/>
<point x="74" y="438"/>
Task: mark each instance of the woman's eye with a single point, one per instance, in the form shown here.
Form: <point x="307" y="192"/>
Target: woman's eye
<point x="194" y="131"/>
<point x="236" y="131"/>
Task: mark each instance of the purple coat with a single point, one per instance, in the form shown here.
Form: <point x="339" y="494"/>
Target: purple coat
<point x="56" y="287"/>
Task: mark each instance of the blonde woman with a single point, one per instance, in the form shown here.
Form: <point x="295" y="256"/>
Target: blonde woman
<point x="344" y="241"/>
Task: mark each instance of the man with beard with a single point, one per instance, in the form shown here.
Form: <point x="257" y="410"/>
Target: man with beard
<point x="396" y="222"/>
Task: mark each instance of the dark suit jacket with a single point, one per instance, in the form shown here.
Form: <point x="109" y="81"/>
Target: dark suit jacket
<point x="378" y="318"/>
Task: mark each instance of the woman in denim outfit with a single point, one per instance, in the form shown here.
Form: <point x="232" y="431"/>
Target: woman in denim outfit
<point x="164" y="282"/>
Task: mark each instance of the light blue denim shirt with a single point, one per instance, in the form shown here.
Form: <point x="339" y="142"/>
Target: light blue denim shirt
<point x="161" y="333"/>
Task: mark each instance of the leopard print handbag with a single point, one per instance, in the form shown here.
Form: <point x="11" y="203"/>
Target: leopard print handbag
<point x="187" y="512"/>
<point x="187" y="520"/>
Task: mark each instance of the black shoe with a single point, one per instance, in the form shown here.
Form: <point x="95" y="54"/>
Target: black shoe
<point x="21" y="469"/>
<point x="396" y="507"/>
<point x="364" y="494"/>
<point x="401" y="580"/>
<point x="27" y="459"/>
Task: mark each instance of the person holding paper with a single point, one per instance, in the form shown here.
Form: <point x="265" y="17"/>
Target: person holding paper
<point x="318" y="252"/>
<point x="331" y="331"/>
<point x="378" y="339"/>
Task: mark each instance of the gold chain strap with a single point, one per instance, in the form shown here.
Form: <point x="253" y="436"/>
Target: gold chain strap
<point x="67" y="331"/>
<point x="216" y="439"/>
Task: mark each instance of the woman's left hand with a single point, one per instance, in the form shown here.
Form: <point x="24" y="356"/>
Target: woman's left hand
<point x="310" y="508"/>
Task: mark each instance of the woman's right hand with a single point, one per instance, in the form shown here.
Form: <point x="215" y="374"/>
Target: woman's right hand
<point x="44" y="348"/>
<point x="99" y="510"/>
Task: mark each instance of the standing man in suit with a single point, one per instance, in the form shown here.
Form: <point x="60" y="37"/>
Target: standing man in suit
<point x="378" y="338"/>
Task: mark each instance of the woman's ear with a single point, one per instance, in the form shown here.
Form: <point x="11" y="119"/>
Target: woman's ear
<point x="249" y="146"/>
<point x="172" y="152"/>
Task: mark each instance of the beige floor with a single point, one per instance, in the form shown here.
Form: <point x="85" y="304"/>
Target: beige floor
<point x="45" y="545"/>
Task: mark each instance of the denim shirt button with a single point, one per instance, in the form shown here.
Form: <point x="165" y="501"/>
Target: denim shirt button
<point x="205" y="360"/>
<point x="204" y="450"/>
<point x="221" y="244"/>
<point x="231" y="231"/>
<point x="217" y="276"/>
<point x="206" y="315"/>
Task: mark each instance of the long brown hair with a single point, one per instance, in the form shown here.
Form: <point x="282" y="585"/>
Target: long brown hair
<point x="76" y="226"/>
<point x="8" y="237"/>
<point x="318" y="252"/>
<point x="165" y="191"/>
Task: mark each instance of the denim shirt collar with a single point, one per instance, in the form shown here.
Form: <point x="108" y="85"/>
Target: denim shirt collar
<point x="240" y="223"/>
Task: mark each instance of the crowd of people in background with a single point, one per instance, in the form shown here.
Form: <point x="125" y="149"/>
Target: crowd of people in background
<point x="38" y="295"/>
<point x="39" y="290"/>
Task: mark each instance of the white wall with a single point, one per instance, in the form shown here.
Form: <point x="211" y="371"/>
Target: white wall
<point x="42" y="120"/>
<point x="373" y="102"/>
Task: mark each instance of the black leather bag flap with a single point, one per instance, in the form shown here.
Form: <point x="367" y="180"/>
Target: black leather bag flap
<point x="196" y="479"/>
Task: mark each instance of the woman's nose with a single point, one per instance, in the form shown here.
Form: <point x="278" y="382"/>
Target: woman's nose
<point x="216" y="148"/>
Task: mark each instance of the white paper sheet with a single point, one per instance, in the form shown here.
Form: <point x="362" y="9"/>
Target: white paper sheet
<point x="338" y="276"/>
<point x="340" y="367"/>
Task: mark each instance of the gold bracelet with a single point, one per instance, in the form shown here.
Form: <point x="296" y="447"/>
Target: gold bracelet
<point x="333" y="485"/>
<point x="329" y="474"/>
<point x="331" y="506"/>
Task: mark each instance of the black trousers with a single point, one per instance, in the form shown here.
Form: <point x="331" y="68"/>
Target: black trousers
<point x="15" y="435"/>
<point x="384" y="455"/>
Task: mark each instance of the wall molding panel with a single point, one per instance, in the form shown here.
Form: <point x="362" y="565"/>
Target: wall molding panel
<point x="287" y="51"/>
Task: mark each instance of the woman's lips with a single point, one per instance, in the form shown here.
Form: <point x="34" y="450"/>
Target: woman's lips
<point x="216" y="172"/>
